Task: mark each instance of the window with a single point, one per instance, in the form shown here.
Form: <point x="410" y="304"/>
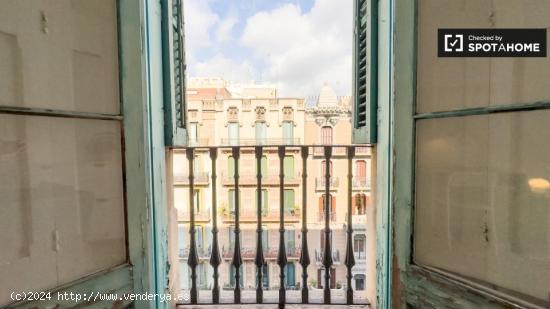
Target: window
<point x="193" y="134"/>
<point x="361" y="169"/>
<point x="359" y="204"/>
<point x="265" y="276"/>
<point x="232" y="272"/>
<point x="288" y="167"/>
<point x="231" y="200"/>
<point x="289" y="201"/>
<point x="288" y="132"/>
<point x="231" y="231"/>
<point x="197" y="201"/>
<point x="332" y="203"/>
<point x="233" y="133"/>
<point x="324" y="168"/>
<point x="199" y="236"/>
<point x="359" y="282"/>
<point x="290" y="239"/>
<point x="261" y="133"/>
<point x="263" y="166"/>
<point x="326" y="135"/>
<point x="359" y="246"/>
<point x="265" y="199"/>
<point x="290" y="275"/>
<point x="230" y="167"/>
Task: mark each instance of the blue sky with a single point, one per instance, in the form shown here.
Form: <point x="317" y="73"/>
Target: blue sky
<point x="296" y="45"/>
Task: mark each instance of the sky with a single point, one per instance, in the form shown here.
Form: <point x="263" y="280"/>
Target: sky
<point x="296" y="45"/>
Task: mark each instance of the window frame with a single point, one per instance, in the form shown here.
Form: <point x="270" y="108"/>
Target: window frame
<point x="421" y="285"/>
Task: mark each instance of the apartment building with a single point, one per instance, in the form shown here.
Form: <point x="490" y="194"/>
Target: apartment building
<point x="268" y="121"/>
<point x="328" y="122"/>
<point x="236" y="121"/>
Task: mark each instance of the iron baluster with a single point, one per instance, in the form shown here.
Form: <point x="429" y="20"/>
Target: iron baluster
<point x="327" y="256"/>
<point x="304" y="256"/>
<point x="281" y="257"/>
<point x="237" y="260"/>
<point x="350" y="259"/>
<point x="193" y="260"/>
<point x="259" y="261"/>
<point x="215" y="259"/>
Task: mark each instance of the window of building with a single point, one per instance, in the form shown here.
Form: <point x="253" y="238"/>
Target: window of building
<point x="326" y="135"/>
<point x="359" y="282"/>
<point x="361" y="169"/>
<point x="263" y="166"/>
<point x="289" y="200"/>
<point x="261" y="133"/>
<point x="233" y="133"/>
<point x="332" y="203"/>
<point x="288" y="132"/>
<point x="232" y="272"/>
<point x="324" y="168"/>
<point x="231" y="200"/>
<point x="359" y="204"/>
<point x="193" y="134"/>
<point x="290" y="275"/>
<point x="288" y="167"/>
<point x="265" y="276"/>
<point x="230" y="167"/>
<point x="290" y="239"/>
<point x="197" y="201"/>
<point x="359" y="242"/>
<point x="265" y="199"/>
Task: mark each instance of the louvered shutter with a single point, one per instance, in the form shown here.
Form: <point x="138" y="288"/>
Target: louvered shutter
<point x="365" y="73"/>
<point x="175" y="117"/>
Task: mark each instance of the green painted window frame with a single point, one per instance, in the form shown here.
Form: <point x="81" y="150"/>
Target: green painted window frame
<point x="417" y="285"/>
<point x="143" y="132"/>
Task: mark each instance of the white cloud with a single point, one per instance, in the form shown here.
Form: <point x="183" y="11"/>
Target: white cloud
<point x="304" y="50"/>
<point x="221" y="66"/>
<point x="199" y="18"/>
<point x="225" y="27"/>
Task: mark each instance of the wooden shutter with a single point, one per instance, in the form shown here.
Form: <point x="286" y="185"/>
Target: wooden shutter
<point x="173" y="40"/>
<point x="365" y="73"/>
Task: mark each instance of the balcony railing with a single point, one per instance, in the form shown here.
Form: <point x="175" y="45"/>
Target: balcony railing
<point x="249" y="253"/>
<point x="259" y="142"/>
<point x="360" y="183"/>
<point x="321" y="216"/>
<point x="319" y="256"/>
<point x="284" y="252"/>
<point x="321" y="181"/>
<point x="267" y="180"/>
<point x="290" y="216"/>
<point x="202" y="253"/>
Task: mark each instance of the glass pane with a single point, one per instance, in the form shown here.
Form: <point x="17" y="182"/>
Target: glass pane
<point x="75" y="41"/>
<point x="456" y="83"/>
<point x="62" y="214"/>
<point x="483" y="196"/>
<point x="233" y="135"/>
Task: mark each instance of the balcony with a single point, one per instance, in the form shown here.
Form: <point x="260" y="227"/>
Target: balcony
<point x="360" y="183"/>
<point x="259" y="142"/>
<point x="201" y="179"/>
<point x="249" y="253"/>
<point x="202" y="253"/>
<point x="321" y="181"/>
<point x="249" y="216"/>
<point x="276" y="215"/>
<point x="319" y="254"/>
<point x="267" y="181"/>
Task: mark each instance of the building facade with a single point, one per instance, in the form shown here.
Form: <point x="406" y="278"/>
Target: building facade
<point x="226" y="120"/>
